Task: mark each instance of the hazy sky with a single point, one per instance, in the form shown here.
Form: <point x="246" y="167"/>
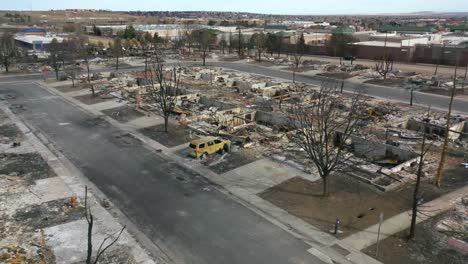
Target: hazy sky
<point x="257" y="6"/>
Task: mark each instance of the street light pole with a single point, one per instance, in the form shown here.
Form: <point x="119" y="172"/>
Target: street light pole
<point x="466" y="71"/>
<point x="378" y="234"/>
<point x="342" y="85"/>
<point x="440" y="168"/>
<point x="411" y="97"/>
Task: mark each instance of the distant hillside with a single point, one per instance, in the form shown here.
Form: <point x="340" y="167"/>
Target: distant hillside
<point x="429" y="13"/>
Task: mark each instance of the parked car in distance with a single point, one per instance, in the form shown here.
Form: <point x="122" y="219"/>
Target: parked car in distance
<point x="201" y="148"/>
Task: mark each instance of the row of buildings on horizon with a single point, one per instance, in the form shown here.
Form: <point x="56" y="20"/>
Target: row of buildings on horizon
<point x="420" y="40"/>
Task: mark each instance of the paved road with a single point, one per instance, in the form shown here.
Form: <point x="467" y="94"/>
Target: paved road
<point x="390" y="93"/>
<point x="166" y="201"/>
<point x="408" y="67"/>
<point x="396" y="94"/>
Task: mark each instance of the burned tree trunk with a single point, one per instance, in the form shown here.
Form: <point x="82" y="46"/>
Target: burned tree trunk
<point x="383" y="66"/>
<point x="90" y="239"/>
<point x="416" y="187"/>
<point x="326" y="191"/>
<point x="90" y="220"/>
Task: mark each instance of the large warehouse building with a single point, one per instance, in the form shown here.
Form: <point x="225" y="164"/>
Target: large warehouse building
<point x="36" y="39"/>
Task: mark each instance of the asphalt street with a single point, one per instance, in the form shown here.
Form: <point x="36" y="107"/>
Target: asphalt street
<point x="389" y="93"/>
<point x="383" y="92"/>
<point x="167" y="202"/>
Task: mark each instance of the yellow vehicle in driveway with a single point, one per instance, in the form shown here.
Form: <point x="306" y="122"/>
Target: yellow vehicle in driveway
<point x="201" y="148"/>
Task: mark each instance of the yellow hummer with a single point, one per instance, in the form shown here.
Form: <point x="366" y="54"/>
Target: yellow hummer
<point x="201" y="148"/>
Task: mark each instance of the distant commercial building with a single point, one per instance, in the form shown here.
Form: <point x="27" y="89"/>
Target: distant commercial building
<point x="304" y="24"/>
<point x="33" y="31"/>
<point x="430" y="49"/>
<point x="169" y="31"/>
<point x="459" y="29"/>
<point x="407" y="29"/>
<point x="312" y="38"/>
<point x="36" y="40"/>
<point x="36" y="43"/>
<point x="456" y="41"/>
<point x="343" y="30"/>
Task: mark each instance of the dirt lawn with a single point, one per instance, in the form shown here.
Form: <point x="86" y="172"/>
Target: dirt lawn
<point x="356" y="204"/>
<point x="89" y="99"/>
<point x="176" y="135"/>
<point x="230" y="161"/>
<point x="336" y="75"/>
<point x="123" y="114"/>
<point x="69" y="88"/>
<point x="428" y="247"/>
<point x="447" y="92"/>
<point x="29" y="166"/>
<point x="392" y="82"/>
<point x="10" y="133"/>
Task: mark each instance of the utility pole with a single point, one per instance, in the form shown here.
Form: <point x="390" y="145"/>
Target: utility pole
<point x="412" y="95"/>
<point x="337" y="226"/>
<point x="342" y="85"/>
<point x="418" y="182"/>
<point x="466" y="71"/>
<point x="441" y="55"/>
<point x="240" y="42"/>
<point x="230" y="42"/>
<point x="381" y="216"/>
<point x="385" y="45"/>
<point x="440" y="169"/>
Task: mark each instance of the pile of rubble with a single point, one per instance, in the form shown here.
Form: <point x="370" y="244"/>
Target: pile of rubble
<point x="455" y="225"/>
<point x="252" y="111"/>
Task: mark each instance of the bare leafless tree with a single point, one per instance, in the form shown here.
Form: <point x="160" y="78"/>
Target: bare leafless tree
<point x="9" y="51"/>
<point x="223" y="43"/>
<point x="103" y="247"/>
<point x="299" y="51"/>
<point x="384" y="64"/>
<point x="163" y="89"/>
<point x="230" y="42"/>
<point x="71" y="71"/>
<point x="188" y="37"/>
<point x="144" y="40"/>
<point x="323" y="130"/>
<point x="205" y="39"/>
<point x="72" y="52"/>
<point x="86" y="53"/>
<point x="117" y="51"/>
<point x="56" y="56"/>
<point x="259" y="41"/>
